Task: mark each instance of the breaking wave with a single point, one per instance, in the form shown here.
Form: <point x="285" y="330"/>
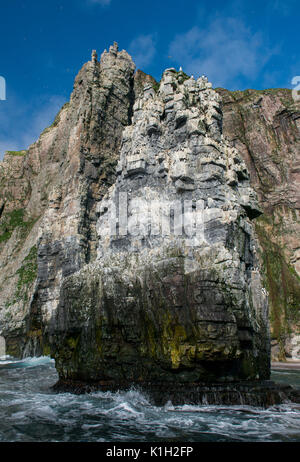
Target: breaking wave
<point x="30" y="411"/>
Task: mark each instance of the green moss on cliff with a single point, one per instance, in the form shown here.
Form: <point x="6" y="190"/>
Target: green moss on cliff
<point x="16" y="153"/>
<point x="181" y="77"/>
<point x="13" y="220"/>
<point x="56" y="120"/>
<point x="249" y="95"/>
<point x="283" y="285"/>
<point x="27" y="274"/>
<point x="156" y="86"/>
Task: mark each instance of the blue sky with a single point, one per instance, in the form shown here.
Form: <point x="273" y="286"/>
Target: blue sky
<point x="237" y="44"/>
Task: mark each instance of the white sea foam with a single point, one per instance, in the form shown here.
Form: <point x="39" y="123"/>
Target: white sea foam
<point x="29" y="361"/>
<point x="30" y="411"/>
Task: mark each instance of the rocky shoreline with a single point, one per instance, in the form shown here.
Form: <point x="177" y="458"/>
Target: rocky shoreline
<point x="260" y="394"/>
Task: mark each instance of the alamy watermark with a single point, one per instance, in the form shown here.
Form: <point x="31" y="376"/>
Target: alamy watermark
<point x="2" y="346"/>
<point x="296" y="91"/>
<point x="2" y="88"/>
<point x="142" y="218"/>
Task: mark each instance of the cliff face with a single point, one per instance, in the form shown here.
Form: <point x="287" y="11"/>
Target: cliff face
<point x="111" y="305"/>
<point x="264" y="127"/>
<point x="174" y="294"/>
<point x="48" y="198"/>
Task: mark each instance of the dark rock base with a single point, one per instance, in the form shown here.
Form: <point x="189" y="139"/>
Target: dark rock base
<point x="261" y="394"/>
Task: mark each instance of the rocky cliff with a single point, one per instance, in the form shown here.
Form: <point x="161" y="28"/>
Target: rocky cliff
<point x="264" y="127"/>
<point x="174" y="293"/>
<point x="99" y="266"/>
<point x="49" y="195"/>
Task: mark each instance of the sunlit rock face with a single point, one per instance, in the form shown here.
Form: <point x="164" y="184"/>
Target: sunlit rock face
<point x="174" y="292"/>
<point x="127" y="249"/>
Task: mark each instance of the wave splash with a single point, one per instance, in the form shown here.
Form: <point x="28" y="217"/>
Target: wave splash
<point x="31" y="411"/>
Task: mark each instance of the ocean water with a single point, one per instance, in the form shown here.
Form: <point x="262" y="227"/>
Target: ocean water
<point x="30" y="411"/>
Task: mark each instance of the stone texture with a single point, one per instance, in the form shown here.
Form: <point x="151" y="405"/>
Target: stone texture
<point x="163" y="305"/>
<point x="145" y="307"/>
<point x="54" y="188"/>
<point x="260" y="393"/>
<point x="264" y="127"/>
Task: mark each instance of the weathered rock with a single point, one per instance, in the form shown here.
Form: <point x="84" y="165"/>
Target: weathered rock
<point x="264" y="127"/>
<point x="140" y="80"/>
<point x="54" y="189"/>
<point x="163" y="303"/>
<point x="142" y="297"/>
<point x="260" y="393"/>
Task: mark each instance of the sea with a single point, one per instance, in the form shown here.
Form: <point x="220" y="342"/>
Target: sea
<point x="30" y="411"/>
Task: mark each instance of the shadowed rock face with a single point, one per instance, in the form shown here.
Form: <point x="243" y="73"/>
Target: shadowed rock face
<point x="157" y="302"/>
<point x="53" y="190"/>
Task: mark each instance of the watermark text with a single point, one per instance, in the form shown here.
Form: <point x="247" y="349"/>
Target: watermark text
<point x="2" y="89"/>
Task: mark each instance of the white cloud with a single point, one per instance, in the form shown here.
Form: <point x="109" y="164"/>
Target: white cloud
<point x="21" y="124"/>
<point x="225" y="51"/>
<point x="142" y="49"/>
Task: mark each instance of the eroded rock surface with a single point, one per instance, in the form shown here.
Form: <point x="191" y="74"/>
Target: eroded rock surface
<point x="163" y="301"/>
<point x="159" y="297"/>
<point x="48" y="198"/>
<point x="264" y="127"/>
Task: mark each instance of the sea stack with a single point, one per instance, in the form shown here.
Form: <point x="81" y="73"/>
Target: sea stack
<point x="173" y="293"/>
<point x="128" y="245"/>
